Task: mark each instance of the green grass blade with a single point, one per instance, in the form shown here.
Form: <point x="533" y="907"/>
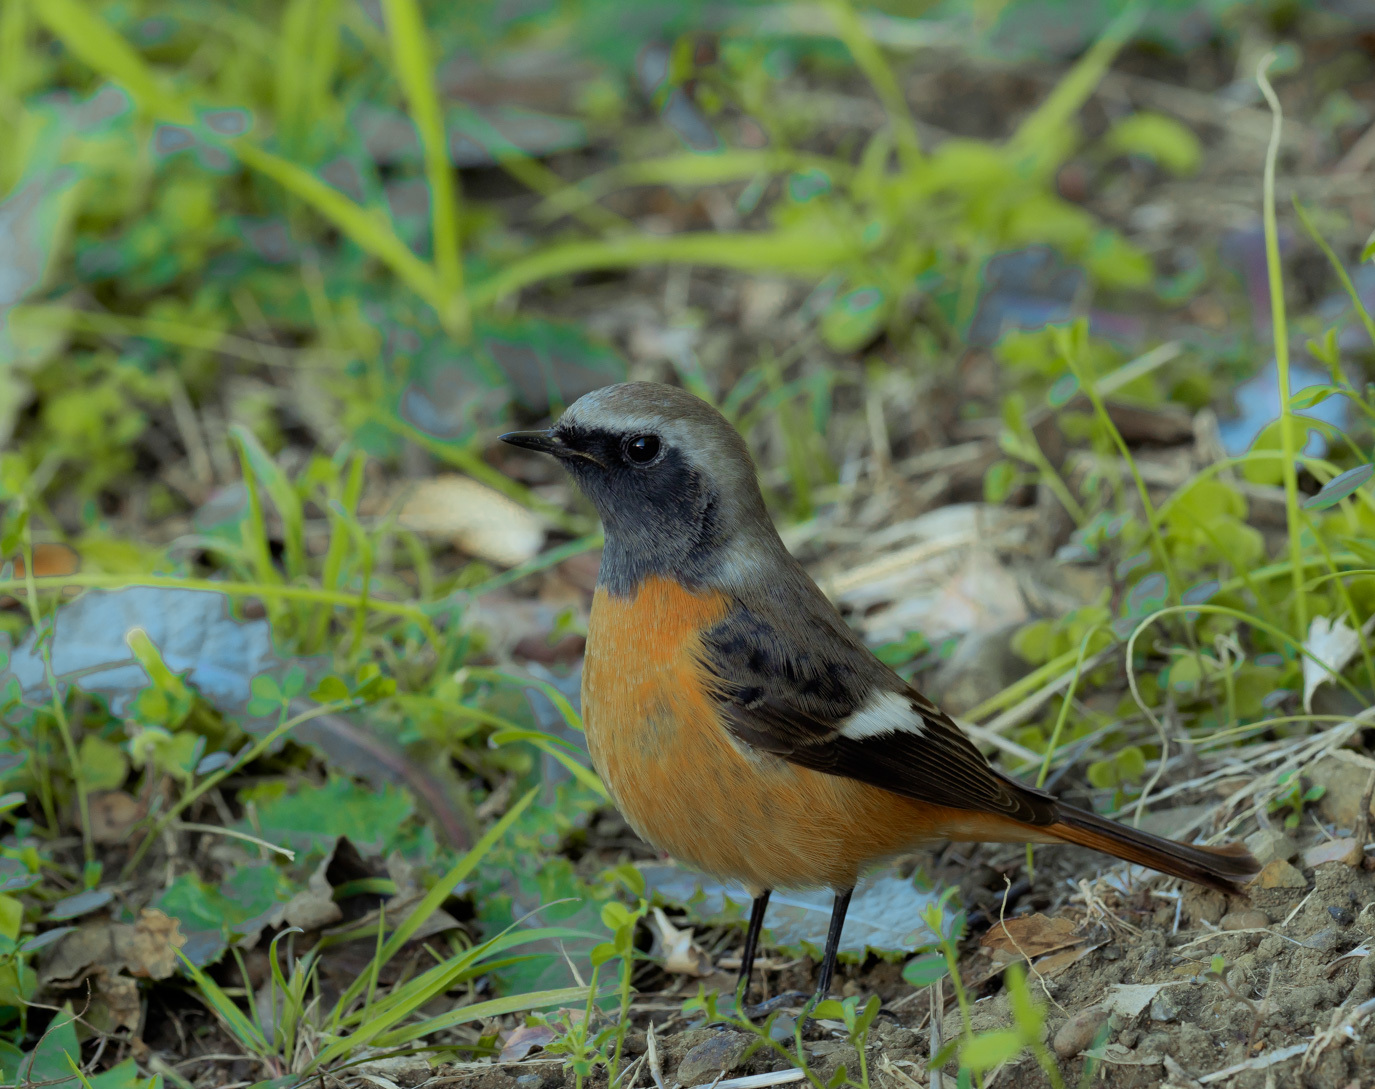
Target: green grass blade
<point x="226" y="1009"/>
<point x="1338" y="268"/>
<point x="283" y="495"/>
<point x="1036" y="137"/>
<point x="552" y="747"/>
<point x="869" y="59"/>
<point x="367" y="229"/>
<point x="411" y="60"/>
<point x="441" y="890"/>
<point x="496" y="1007"/>
<point x="92" y="40"/>
<point x="799" y="252"/>
<point x="687" y="169"/>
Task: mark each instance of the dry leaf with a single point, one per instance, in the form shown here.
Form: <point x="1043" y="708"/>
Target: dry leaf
<point x="1332" y="643"/>
<point x="524" y="1040"/>
<point x="119" y="997"/>
<point x="1347" y="851"/>
<point x="480" y="521"/>
<point x="1129" y="999"/>
<point x="1052" y="965"/>
<point x="113" y="814"/>
<point x="313" y="907"/>
<point x="149" y="947"/>
<point x="1032" y="935"/>
<point x="681" y="957"/>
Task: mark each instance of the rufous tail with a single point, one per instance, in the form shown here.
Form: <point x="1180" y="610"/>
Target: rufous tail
<point x="1223" y="868"/>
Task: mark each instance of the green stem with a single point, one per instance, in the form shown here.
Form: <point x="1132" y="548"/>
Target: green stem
<point x="1281" y="337"/>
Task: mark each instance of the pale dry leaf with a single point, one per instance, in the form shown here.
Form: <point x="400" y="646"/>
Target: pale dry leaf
<point x="1346" y="851"/>
<point x="313" y="908"/>
<point x="1053" y="964"/>
<point x="479" y="520"/>
<point x="1332" y="644"/>
<point x="681" y="956"/>
<point x="1129" y="999"/>
<point x="525" y="1039"/>
<point x="1032" y="935"/>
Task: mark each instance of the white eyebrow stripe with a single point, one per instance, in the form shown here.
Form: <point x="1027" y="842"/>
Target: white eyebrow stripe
<point x="883" y="712"/>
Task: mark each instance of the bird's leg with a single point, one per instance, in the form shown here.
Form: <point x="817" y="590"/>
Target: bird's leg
<point x="828" y="962"/>
<point x="761" y="902"/>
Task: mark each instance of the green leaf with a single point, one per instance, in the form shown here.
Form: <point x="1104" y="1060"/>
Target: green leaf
<point x="1368" y="250"/>
<point x="829" y="1009"/>
<point x="1310" y="396"/>
<point x="853" y="319"/>
<point x="413" y="64"/>
<point x="331" y="689"/>
<point x="104" y="765"/>
<point x="1155" y="136"/>
<point x="1339" y="487"/>
<point x="999" y="481"/>
<point x="49" y="1063"/>
<point x="924" y="971"/>
<point x="315" y="816"/>
<point x="1026" y="1013"/>
<point x="989" y="1049"/>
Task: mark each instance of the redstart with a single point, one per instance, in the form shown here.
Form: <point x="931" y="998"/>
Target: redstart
<point x="737" y="721"/>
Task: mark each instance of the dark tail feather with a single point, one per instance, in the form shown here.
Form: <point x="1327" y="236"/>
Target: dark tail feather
<point x="1222" y="868"/>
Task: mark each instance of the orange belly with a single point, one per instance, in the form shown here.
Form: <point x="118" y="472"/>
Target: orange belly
<point x="687" y="788"/>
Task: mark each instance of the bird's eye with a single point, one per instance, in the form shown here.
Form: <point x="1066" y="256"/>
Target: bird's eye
<point x="642" y="449"/>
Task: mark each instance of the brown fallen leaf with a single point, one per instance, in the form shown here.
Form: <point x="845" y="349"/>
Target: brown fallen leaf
<point x="479" y="520"/>
<point x="1032" y="935"/>
<point x="149" y="947"/>
<point x="115" y="1003"/>
<point x="113" y="814"/>
<point x="1055" y="963"/>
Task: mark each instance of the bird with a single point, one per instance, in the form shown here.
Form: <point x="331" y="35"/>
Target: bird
<point x="737" y="721"/>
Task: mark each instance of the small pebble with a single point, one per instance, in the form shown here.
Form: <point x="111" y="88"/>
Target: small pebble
<point x="1078" y="1032"/>
<point x="1281" y="875"/>
<point x="1245" y="920"/>
<point x="529" y="1081"/>
<point x="1163" y="1008"/>
<point x="1341" y="916"/>
<point x="1271" y="845"/>
<point x="711" y="1057"/>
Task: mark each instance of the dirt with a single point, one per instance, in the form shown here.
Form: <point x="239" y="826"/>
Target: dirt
<point x="1289" y="985"/>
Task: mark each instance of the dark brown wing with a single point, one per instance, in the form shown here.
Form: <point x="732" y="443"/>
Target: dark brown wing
<point x="799" y="705"/>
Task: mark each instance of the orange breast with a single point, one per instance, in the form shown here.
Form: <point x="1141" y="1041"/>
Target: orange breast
<point x="686" y="787"/>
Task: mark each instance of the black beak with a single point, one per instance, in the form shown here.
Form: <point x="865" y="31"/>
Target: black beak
<point x="546" y="442"/>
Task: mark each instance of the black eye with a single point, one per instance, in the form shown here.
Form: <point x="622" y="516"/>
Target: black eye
<point x="642" y="449"/>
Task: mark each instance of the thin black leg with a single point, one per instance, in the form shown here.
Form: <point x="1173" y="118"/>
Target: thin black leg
<point x="828" y="962"/>
<point x="761" y="902"/>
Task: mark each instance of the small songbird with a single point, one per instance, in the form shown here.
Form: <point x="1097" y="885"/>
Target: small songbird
<point x="736" y="720"/>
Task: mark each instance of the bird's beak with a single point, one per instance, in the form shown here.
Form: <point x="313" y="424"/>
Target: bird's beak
<point x="546" y="442"/>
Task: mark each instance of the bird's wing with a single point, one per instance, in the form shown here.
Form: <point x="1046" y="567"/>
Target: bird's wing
<point x="835" y="708"/>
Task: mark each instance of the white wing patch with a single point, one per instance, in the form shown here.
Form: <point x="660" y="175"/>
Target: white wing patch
<point x="884" y="713"/>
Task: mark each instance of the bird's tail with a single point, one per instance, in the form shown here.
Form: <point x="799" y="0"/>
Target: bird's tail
<point x="1222" y="868"/>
